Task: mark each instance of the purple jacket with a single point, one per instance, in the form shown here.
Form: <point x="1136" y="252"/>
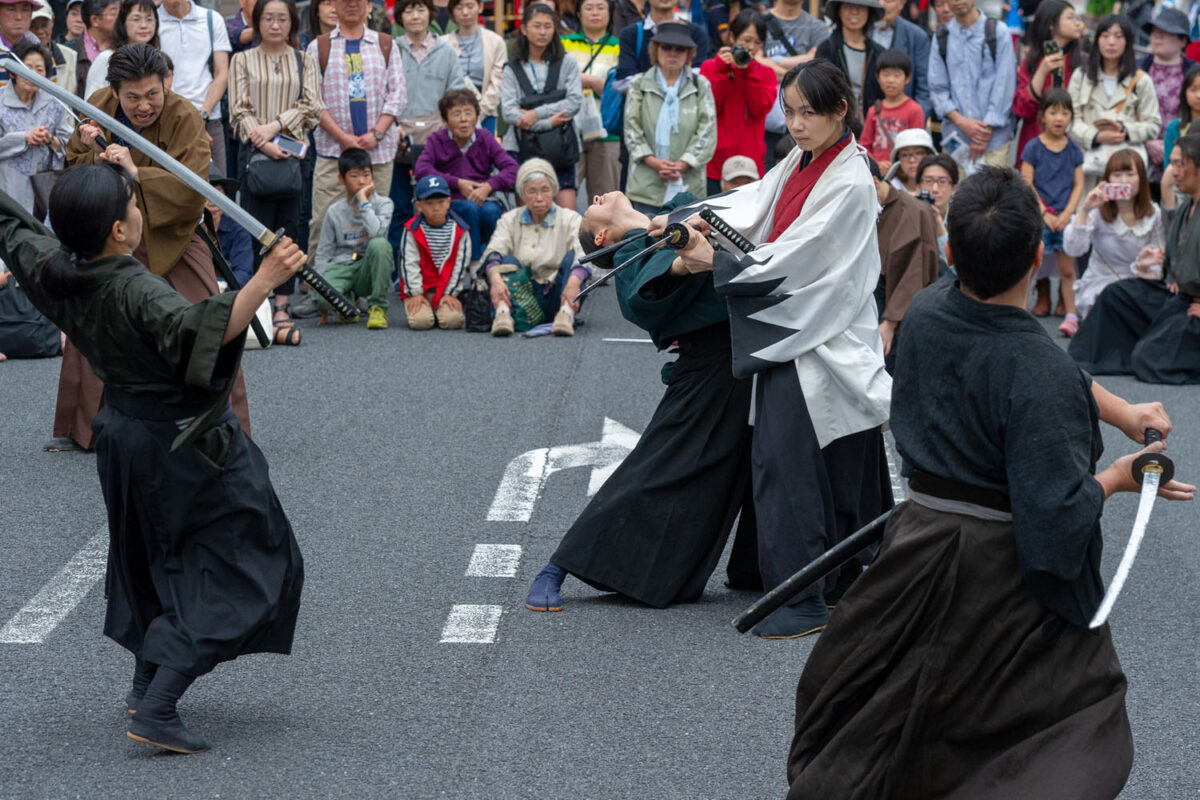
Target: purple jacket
<point x="442" y="157"/>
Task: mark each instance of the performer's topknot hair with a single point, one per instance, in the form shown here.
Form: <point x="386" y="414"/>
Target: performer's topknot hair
<point x="134" y="62"/>
<point x="995" y="228"/>
<point x="824" y="86"/>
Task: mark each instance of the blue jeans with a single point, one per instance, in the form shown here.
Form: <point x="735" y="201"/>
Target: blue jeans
<point x="402" y="197"/>
<point x="480" y="220"/>
<point x="489" y="125"/>
<point x="549" y="295"/>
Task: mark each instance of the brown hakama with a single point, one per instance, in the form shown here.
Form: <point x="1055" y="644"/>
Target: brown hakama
<point x="940" y="676"/>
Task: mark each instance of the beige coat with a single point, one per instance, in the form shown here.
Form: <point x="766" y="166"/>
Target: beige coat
<point x="542" y="246"/>
<point x="1140" y="112"/>
<point x="495" y="56"/>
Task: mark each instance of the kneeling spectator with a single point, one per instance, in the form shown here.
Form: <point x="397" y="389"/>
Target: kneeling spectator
<point x="353" y="252"/>
<point x="471" y="162"/>
<point x="433" y="259"/>
<point x="531" y="263"/>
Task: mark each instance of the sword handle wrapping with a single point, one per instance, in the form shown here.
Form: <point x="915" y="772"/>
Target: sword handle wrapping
<point x="1153" y="460"/>
<point x="319" y="285"/>
<point x="725" y="229"/>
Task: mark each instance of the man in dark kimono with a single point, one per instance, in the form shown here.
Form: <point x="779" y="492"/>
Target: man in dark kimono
<point x="1151" y="328"/>
<point x="203" y="564"/>
<point x="656" y="529"/>
<point x="960" y="664"/>
<point x="170" y="247"/>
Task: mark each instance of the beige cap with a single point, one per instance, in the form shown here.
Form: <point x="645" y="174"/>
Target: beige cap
<point x="43" y="12"/>
<point x="739" y="167"/>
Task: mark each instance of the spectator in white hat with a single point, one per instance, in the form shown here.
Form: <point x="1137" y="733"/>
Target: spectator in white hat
<point x="908" y="149"/>
<point x="738" y="171"/>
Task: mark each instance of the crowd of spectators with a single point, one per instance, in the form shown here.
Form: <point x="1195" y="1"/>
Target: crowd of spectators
<point x="422" y="155"/>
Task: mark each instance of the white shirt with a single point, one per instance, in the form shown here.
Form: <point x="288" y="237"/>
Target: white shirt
<point x="188" y="44"/>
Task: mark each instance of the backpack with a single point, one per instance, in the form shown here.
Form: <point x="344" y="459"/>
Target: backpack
<point x="323" y="45"/>
<point x="989" y="38"/>
<point x="612" y="102"/>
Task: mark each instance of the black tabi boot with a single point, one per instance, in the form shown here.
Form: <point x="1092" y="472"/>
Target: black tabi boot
<point x="143" y="673"/>
<point x="157" y="721"/>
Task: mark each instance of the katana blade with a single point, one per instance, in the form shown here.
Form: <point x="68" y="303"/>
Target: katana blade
<point x="259" y="232"/>
<point x="1150" y="479"/>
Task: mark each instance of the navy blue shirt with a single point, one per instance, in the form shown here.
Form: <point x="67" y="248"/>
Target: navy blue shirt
<point x="1053" y="173"/>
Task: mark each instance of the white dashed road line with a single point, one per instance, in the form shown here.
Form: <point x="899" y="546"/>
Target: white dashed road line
<point x="41" y="615"/>
<point x="494" y="561"/>
<point x="469" y="624"/>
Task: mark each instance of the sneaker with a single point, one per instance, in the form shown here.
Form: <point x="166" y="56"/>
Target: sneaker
<point x="564" y="323"/>
<point x="305" y="309"/>
<point x="502" y="325"/>
<point x="376" y="318"/>
<point x="1070" y="326"/>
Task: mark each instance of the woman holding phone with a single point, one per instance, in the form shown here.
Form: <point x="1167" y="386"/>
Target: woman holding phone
<point x="275" y="100"/>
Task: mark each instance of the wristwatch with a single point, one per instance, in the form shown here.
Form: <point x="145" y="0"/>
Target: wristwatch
<point x="379" y="134"/>
<point x="204" y="116"/>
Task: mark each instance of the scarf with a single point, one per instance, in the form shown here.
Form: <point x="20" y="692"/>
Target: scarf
<point x="800" y="185"/>
<point x="668" y="124"/>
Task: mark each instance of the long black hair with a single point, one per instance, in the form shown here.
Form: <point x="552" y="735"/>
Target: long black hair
<point x="1128" y="58"/>
<point x="1185" y="111"/>
<point x="121" y="30"/>
<point x="824" y="86"/>
<point x="1041" y="30"/>
<point x="554" y="50"/>
<point x="84" y="204"/>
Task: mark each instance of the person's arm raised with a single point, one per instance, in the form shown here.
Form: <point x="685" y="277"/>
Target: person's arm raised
<point x="278" y="265"/>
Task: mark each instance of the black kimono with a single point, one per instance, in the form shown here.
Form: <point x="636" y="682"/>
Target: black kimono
<point x="1139" y="327"/>
<point x="656" y="529"/>
<point x="960" y="664"/>
<point x="203" y="565"/>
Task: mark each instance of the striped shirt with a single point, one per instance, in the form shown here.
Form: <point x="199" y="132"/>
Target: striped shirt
<point x="263" y="87"/>
<point x="440" y="239"/>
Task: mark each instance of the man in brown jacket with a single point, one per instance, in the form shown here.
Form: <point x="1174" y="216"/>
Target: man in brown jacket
<point x="170" y="246"/>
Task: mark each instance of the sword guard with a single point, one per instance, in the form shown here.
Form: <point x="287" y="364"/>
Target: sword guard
<point x="1153" y="461"/>
<point x="266" y="248"/>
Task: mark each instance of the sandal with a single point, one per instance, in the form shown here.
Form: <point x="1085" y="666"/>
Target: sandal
<point x="287" y="321"/>
<point x="289" y="335"/>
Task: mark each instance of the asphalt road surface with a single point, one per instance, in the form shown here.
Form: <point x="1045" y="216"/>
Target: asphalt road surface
<point x="395" y="455"/>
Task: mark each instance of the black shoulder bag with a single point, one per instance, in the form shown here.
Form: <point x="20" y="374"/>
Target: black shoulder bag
<point x="270" y="178"/>
<point x="559" y="145"/>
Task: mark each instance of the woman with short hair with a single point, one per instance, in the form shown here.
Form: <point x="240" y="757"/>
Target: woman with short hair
<point x="482" y="55"/>
<point x="33" y="127"/>
<point x="137" y="23"/>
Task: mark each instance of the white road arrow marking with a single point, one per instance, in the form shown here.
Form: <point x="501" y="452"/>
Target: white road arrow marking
<point x="525" y="477"/>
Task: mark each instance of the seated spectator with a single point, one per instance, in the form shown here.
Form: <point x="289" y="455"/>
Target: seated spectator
<point x="670" y="123"/>
<point x="482" y="55"/>
<point x="1057" y="22"/>
<point x="938" y="175"/>
<point x="852" y="51"/>
<point x="137" y="23"/>
<point x="1151" y="328"/>
<point x="743" y="95"/>
<point x="353" y="253"/>
<point x="596" y="51"/>
<point x="472" y="163"/>
<point x="738" y="171"/>
<point x="895" y="112"/>
<point x="274" y="91"/>
<point x="99" y="20"/>
<point x="531" y="266"/>
<point x="24" y="331"/>
<point x="540" y="91"/>
<point x="908" y="244"/>
<point x="1114" y="101"/>
<point x="909" y="148"/>
<point x="893" y="31"/>
<point x="433" y="259"/>
<point x="1166" y="65"/>
<point x="431" y="68"/>
<point x="236" y="244"/>
<point x="33" y="128"/>
<point x="1115" y="231"/>
<point x="66" y="62"/>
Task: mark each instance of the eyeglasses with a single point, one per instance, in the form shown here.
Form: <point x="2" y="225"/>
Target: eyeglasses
<point x="906" y="155"/>
<point x="931" y="182"/>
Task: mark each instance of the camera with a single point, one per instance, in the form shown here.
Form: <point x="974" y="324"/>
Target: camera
<point x="925" y="195"/>
<point x="741" y="56"/>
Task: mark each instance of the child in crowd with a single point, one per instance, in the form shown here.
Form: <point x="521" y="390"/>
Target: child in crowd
<point x="433" y="259"/>
<point x="236" y="244"/>
<point x="1189" y="109"/>
<point x="895" y="112"/>
<point x="1053" y="164"/>
<point x="353" y="252"/>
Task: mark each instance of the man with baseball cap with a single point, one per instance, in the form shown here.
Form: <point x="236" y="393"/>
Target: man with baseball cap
<point x="738" y="171"/>
<point x="434" y="251"/>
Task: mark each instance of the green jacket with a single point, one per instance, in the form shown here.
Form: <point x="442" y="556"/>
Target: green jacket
<point x="694" y="143"/>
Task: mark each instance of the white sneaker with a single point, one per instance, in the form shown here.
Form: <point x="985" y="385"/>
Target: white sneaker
<point x="502" y="325"/>
<point x="564" y="323"/>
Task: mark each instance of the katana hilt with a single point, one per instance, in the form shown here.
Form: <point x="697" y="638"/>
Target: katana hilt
<point x="676" y="236"/>
<point x="1153" y="462"/>
<point x="725" y="229"/>
<point x="318" y="283"/>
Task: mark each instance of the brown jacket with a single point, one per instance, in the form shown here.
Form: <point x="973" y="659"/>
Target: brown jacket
<point x="169" y="209"/>
<point x="907" y="250"/>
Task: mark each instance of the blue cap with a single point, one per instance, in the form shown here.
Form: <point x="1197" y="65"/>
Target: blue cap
<point x="432" y="186"/>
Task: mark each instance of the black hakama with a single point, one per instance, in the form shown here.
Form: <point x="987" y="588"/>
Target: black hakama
<point x="656" y="528"/>
<point x="1137" y="327"/>
<point x="940" y="676"/>
<point x="203" y="563"/>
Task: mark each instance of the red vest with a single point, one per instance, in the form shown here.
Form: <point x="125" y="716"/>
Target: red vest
<point x="433" y="276"/>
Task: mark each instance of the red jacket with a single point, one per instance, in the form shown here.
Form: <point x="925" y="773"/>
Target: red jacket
<point x="418" y="273"/>
<point x="1026" y="108"/>
<point x="743" y="98"/>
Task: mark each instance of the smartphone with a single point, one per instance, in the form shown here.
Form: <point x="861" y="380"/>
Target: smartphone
<point x="1051" y="48"/>
<point x="1116" y="191"/>
<point x="289" y="145"/>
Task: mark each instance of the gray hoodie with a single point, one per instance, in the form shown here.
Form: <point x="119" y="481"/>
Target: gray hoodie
<point x="347" y="229"/>
<point x="439" y="72"/>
